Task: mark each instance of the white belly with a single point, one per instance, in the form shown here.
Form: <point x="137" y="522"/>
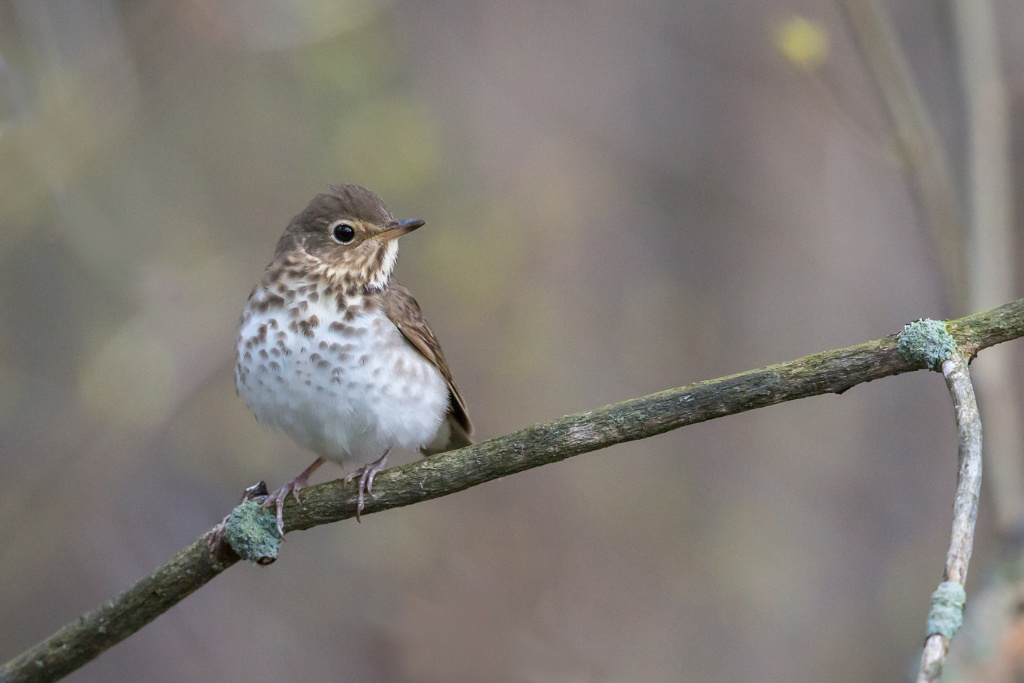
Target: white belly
<point x="355" y="389"/>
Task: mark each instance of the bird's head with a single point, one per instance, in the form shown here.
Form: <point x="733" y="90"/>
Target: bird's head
<point x="351" y="233"/>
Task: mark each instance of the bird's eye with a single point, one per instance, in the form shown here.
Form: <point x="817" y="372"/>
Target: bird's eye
<point x="343" y="233"/>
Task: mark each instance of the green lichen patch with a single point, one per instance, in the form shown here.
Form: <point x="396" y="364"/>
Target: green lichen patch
<point x="947" y="613"/>
<point x="926" y="342"/>
<point x="252" y="533"/>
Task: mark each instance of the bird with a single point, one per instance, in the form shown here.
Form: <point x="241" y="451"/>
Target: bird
<point x="337" y="355"/>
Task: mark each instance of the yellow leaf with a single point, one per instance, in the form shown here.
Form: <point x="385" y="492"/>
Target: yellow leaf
<point x="802" y="41"/>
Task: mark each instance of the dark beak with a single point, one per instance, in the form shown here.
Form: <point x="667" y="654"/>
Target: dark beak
<point x="396" y="229"/>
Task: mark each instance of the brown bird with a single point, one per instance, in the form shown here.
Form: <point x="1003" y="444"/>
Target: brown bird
<point x="339" y="357"/>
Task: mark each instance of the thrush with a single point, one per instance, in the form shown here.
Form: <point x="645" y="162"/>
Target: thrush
<point x="335" y="354"/>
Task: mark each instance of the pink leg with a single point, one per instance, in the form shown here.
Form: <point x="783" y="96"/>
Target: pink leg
<point x="293" y="488"/>
<point x="366" y="473"/>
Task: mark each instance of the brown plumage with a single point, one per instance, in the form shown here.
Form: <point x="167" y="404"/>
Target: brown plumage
<point x="404" y="312"/>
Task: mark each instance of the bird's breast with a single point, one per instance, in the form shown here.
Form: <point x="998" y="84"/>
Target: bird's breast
<point x="337" y="376"/>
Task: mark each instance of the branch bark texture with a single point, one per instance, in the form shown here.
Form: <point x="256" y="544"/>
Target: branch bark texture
<point x="829" y="372"/>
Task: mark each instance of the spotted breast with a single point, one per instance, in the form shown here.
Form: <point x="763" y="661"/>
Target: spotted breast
<point x="335" y="374"/>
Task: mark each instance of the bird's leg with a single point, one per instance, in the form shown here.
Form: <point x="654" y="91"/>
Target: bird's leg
<point x="366" y="473"/>
<point x="293" y="488"/>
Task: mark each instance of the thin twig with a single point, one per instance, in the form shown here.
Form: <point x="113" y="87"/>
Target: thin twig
<point x="925" y="157"/>
<point x="965" y="509"/>
<point x="444" y="474"/>
<point x="968" y="487"/>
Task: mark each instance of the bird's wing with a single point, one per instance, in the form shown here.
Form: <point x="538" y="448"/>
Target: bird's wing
<point x="404" y="312"/>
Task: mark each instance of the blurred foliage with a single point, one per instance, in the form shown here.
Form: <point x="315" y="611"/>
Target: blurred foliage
<point x="620" y="198"/>
<point x="390" y="145"/>
<point x="802" y="41"/>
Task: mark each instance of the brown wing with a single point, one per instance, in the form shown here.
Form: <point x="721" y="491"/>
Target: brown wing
<point x="404" y="312"/>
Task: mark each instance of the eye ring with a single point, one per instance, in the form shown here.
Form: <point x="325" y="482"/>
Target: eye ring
<point x="343" y="232"/>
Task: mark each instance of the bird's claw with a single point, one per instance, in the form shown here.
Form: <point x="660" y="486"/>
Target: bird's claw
<point x="366" y="473"/>
<point x="292" y="487"/>
<point x="278" y="498"/>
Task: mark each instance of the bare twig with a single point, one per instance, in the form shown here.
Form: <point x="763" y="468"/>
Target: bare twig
<point x="968" y="487"/>
<point x="444" y="474"/>
<point x="947" y="603"/>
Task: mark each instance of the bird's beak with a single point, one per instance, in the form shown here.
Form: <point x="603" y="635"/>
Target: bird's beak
<point x="396" y="229"/>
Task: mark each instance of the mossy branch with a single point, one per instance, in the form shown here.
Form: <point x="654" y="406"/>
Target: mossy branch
<point x="829" y="372"/>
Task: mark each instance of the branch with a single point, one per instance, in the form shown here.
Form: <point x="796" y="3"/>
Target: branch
<point x="948" y="600"/>
<point x="829" y="372"/>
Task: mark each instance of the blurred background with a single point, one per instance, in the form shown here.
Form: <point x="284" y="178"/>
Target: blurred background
<point x="621" y="197"/>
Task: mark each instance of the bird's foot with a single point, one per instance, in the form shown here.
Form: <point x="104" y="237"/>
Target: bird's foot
<point x="293" y="487"/>
<point x="366" y="473"/>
